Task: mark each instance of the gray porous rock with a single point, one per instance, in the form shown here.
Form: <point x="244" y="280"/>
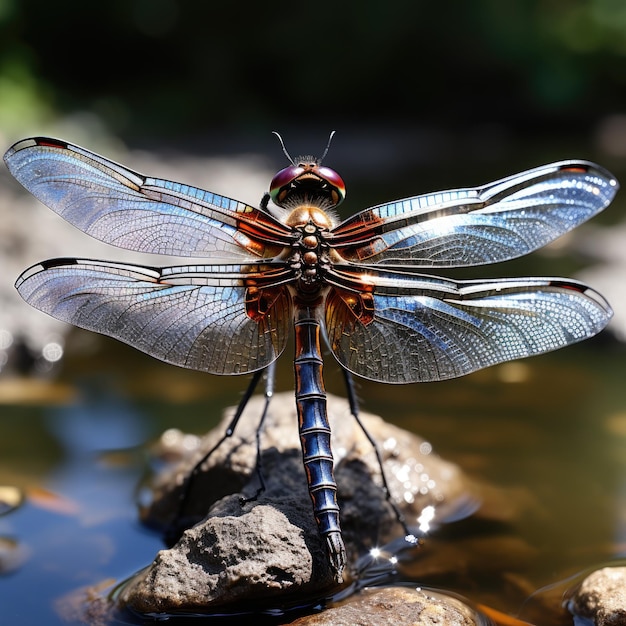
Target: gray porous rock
<point x="601" y="597"/>
<point x="270" y="547"/>
<point x="395" y="606"/>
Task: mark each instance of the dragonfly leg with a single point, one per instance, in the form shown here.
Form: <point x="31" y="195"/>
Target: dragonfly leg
<point x="177" y="525"/>
<point x="354" y="410"/>
<point x="270" y="378"/>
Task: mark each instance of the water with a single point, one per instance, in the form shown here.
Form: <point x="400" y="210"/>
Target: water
<point x="548" y="433"/>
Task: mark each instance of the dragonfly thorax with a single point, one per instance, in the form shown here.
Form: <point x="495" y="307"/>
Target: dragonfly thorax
<point x="310" y="255"/>
<point x="304" y="215"/>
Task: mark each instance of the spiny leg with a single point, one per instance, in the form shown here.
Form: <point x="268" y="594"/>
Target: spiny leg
<point x="354" y="410"/>
<point x="178" y="525"/>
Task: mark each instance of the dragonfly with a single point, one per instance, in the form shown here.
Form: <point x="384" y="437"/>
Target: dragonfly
<point x="290" y="265"/>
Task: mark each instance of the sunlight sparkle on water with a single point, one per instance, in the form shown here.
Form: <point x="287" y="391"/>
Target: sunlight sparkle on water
<point x="375" y="553"/>
<point x="426" y="517"/>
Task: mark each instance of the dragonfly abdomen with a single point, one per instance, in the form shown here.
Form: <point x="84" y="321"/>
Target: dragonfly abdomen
<point x="315" y="434"/>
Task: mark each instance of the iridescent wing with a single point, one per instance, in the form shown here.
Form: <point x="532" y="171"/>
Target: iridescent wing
<point x="402" y="327"/>
<point x="136" y="212"/>
<point x="191" y="316"/>
<point x="496" y="222"/>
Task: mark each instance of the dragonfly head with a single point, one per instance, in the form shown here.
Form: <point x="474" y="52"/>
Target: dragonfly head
<point x="307" y="179"/>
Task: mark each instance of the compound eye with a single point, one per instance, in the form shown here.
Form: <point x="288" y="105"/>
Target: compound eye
<point x="331" y="177"/>
<point x="283" y="178"/>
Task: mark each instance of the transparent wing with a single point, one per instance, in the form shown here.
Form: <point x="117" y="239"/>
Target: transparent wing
<point x="192" y="316"/>
<point x="129" y="210"/>
<point x="402" y="328"/>
<point x="496" y="222"/>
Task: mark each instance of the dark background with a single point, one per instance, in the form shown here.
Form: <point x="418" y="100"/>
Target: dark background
<point x="432" y="82"/>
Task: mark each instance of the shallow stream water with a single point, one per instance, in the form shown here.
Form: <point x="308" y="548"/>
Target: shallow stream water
<point x="548" y="434"/>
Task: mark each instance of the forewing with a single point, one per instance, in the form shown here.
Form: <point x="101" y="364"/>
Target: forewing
<point x="421" y="329"/>
<point x="132" y="211"/>
<point x="192" y="316"/>
<point x="496" y="222"/>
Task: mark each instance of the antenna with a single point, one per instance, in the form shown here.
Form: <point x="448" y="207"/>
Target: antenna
<point x="332" y="134"/>
<point x="282" y="144"/>
<point x="285" y="149"/>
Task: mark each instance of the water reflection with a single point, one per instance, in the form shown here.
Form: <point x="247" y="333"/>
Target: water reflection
<point x="103" y="421"/>
<point x="82" y="528"/>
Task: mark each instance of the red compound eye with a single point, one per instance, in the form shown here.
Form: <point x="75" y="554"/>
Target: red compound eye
<point x="333" y="179"/>
<point x="307" y="175"/>
<point x="282" y="179"/>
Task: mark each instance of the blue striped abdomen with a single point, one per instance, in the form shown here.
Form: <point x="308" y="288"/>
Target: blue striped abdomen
<point x="315" y="434"/>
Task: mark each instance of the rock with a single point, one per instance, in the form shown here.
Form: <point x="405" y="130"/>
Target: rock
<point x="90" y="605"/>
<point x="257" y="552"/>
<point x="271" y="547"/>
<point x="602" y="597"/>
<point x="394" y="606"/>
<point x="13" y="554"/>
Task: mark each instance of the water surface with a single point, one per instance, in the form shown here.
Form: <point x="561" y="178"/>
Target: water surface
<point x="549" y="433"/>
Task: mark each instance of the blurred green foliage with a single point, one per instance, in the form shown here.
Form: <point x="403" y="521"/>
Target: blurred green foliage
<point x="185" y="67"/>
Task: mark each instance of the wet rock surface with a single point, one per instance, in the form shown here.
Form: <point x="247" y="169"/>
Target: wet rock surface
<point x="602" y="597"/>
<point x="394" y="606"/>
<point x="257" y="553"/>
<point x="270" y="547"/>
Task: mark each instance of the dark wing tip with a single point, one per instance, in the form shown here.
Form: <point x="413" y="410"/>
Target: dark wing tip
<point x="587" y="291"/>
<point x="588" y="167"/>
<point x="152" y="274"/>
<point x="31" y="142"/>
<point x="42" y="266"/>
